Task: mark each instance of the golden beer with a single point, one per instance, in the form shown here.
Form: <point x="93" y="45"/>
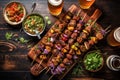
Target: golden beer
<point x="113" y="38"/>
<point x="55" y="6"/>
<point x="85" y="4"/>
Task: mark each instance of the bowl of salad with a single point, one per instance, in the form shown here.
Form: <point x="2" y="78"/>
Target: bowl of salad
<point x="93" y="61"/>
<point x="34" y="24"/>
<point x="14" y="13"/>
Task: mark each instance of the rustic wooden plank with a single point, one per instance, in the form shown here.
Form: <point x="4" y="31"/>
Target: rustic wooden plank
<point x="14" y="63"/>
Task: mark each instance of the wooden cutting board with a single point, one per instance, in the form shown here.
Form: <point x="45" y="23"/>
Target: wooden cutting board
<point x="73" y="9"/>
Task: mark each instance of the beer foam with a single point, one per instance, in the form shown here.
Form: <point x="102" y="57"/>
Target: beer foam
<point x="117" y="34"/>
<point x="55" y="2"/>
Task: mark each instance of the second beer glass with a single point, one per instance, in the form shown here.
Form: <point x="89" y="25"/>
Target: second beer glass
<point x="86" y="4"/>
<point x="113" y="38"/>
<point x="55" y="6"/>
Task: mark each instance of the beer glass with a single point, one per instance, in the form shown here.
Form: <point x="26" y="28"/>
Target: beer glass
<point x="55" y="7"/>
<point x="113" y="38"/>
<point x="113" y="62"/>
<point x="86" y="4"/>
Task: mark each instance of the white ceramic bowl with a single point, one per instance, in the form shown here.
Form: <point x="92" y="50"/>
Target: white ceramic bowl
<point x="6" y="13"/>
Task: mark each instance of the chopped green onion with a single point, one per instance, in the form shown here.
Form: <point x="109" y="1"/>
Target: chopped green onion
<point x="46" y="17"/>
<point x="49" y="22"/>
<point x="22" y="40"/>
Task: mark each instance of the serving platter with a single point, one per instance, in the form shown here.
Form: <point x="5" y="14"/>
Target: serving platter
<point x="48" y="43"/>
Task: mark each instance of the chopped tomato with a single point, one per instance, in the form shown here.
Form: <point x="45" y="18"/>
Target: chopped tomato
<point x="14" y="12"/>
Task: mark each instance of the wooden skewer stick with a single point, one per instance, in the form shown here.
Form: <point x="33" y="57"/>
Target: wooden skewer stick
<point x="47" y="65"/>
<point x="107" y="30"/>
<point x="51" y="77"/>
<point x="43" y="69"/>
<point x="79" y="12"/>
<point x="40" y="62"/>
<point x="35" y="57"/>
<point x="84" y="16"/>
<point x="47" y="70"/>
<point x="93" y="22"/>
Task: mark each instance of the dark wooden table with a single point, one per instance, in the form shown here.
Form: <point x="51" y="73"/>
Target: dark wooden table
<point x="14" y="63"/>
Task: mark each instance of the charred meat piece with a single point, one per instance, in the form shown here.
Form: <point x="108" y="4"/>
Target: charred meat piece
<point x="61" y="26"/>
<point x="74" y="35"/>
<point x="55" y="61"/>
<point x="83" y="48"/>
<point x="67" y="47"/>
<point x="78" y="27"/>
<point x="37" y="51"/>
<point x="71" y="25"/>
<point x="62" y="65"/>
<point x="79" y="39"/>
<point x="57" y="22"/>
<point x="88" y="28"/>
<point x="72" y="22"/>
<point x="71" y="52"/>
<point x="83" y="35"/>
<point x="70" y="41"/>
<point x="54" y="35"/>
<point x="55" y="51"/>
<point x="75" y="17"/>
<point x="62" y="42"/>
<point x="49" y="34"/>
<point x="45" y="40"/>
<point x="66" y="61"/>
<point x="49" y="44"/>
<point x="69" y="56"/>
<point x="99" y="35"/>
<point x="68" y="33"/>
<point x="91" y="42"/>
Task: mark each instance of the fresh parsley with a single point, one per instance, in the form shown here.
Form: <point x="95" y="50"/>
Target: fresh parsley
<point x="8" y="35"/>
<point x="23" y="40"/>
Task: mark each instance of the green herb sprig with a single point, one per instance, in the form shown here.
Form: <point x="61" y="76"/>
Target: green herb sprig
<point x="8" y="35"/>
<point x="23" y="40"/>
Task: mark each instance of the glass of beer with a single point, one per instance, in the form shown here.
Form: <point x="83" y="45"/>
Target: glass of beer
<point x="113" y="38"/>
<point x="86" y="4"/>
<point x="55" y="7"/>
<point x="113" y="62"/>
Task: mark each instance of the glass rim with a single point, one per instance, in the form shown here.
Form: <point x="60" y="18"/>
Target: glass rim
<point x="117" y="35"/>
